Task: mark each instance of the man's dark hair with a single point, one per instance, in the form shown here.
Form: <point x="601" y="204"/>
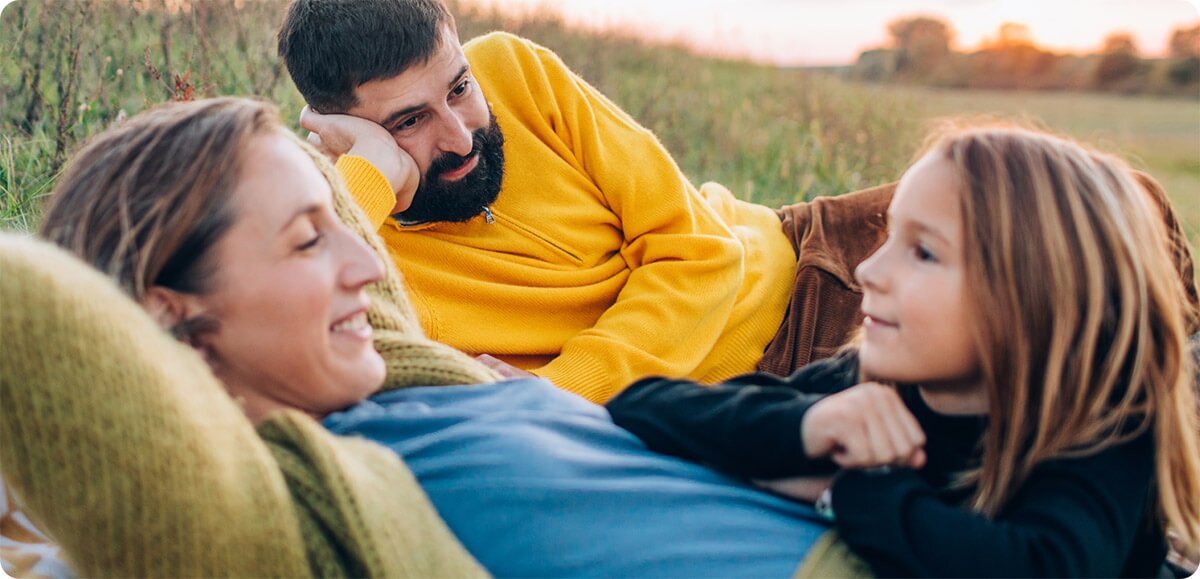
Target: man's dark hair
<point x="331" y="47"/>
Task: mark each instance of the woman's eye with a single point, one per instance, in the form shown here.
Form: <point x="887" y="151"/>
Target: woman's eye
<point x="311" y="243"/>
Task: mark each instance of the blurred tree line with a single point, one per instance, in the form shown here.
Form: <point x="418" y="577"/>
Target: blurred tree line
<point x="921" y="51"/>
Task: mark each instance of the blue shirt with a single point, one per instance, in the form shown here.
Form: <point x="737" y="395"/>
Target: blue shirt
<point x="536" y="481"/>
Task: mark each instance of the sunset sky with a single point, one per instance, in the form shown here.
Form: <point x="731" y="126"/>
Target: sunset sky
<point x="816" y="32"/>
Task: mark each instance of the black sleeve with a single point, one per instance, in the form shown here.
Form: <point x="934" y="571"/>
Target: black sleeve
<point x="1072" y="518"/>
<point x="748" y="426"/>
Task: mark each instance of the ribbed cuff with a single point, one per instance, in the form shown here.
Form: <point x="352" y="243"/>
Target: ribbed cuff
<point x="581" y="374"/>
<point x="369" y="188"/>
<point x="869" y="504"/>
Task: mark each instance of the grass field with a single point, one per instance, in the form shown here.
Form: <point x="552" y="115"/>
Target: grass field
<point x="773" y="136"/>
<point x="1160" y="136"/>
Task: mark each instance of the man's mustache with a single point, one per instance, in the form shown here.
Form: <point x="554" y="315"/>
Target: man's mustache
<point x="447" y="162"/>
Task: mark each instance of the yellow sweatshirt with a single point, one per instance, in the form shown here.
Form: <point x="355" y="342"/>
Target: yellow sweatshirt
<point x="603" y="263"/>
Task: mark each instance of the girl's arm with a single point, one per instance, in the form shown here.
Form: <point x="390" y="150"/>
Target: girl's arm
<point x="748" y="426"/>
<point x="1072" y="518"/>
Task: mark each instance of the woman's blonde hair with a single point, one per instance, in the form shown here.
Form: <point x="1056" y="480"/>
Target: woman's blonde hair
<point x="1083" y="317"/>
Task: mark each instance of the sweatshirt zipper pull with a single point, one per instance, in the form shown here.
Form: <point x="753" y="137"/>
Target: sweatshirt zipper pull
<point x="487" y="215"/>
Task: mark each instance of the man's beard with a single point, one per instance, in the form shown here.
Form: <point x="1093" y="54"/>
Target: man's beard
<point x="461" y="200"/>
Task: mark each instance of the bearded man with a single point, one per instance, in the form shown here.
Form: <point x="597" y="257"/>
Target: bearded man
<point x="537" y="222"/>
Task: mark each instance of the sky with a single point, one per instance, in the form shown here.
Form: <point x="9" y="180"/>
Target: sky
<point x="830" y="32"/>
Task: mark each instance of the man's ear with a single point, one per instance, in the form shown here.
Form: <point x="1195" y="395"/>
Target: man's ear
<point x="170" y="308"/>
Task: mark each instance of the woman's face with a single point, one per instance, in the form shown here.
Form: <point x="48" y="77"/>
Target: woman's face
<point x="918" y="322"/>
<point x="289" y="295"/>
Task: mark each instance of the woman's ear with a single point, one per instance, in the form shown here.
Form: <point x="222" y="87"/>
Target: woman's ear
<point x="170" y="308"/>
<point x="184" y="316"/>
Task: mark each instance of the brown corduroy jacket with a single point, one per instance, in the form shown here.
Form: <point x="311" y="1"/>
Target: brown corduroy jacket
<point x="832" y="235"/>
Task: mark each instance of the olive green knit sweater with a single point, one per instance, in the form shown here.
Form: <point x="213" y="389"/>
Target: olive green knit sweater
<point x="122" y="445"/>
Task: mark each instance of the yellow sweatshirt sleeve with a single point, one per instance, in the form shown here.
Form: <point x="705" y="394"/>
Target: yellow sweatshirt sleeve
<point x="685" y="264"/>
<point x="368" y="186"/>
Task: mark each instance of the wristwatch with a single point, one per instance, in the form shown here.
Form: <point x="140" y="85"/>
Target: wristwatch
<point x="824" y="504"/>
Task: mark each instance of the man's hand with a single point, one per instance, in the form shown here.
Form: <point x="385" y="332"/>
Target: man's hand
<point x="337" y="135"/>
<point x="503" y="368"/>
<point x="803" y="488"/>
<point x="863" y="427"/>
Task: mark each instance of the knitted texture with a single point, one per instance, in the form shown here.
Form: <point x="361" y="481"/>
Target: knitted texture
<point x="123" y="446"/>
<point x="119" y="441"/>
<point x="362" y="511"/>
<point x="830" y="557"/>
<point x="602" y="263"/>
<point x="412" y="358"/>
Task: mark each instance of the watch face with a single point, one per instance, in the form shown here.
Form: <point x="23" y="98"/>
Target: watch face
<point x="824" y="504"/>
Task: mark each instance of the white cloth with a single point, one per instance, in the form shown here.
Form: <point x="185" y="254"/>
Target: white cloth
<point x="25" y="551"/>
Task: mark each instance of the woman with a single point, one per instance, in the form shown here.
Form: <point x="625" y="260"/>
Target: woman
<point x="223" y="227"/>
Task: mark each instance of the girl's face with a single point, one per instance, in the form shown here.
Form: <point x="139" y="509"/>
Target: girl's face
<point x="918" y="322"/>
<point x="289" y="296"/>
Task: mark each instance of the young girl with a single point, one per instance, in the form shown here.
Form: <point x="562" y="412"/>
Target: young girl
<point x="1038" y="417"/>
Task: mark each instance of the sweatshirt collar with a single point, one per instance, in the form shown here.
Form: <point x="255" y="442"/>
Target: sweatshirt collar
<point x="411" y="225"/>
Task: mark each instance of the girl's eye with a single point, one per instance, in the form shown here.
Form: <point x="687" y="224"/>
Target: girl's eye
<point x="923" y="253"/>
<point x="311" y="243"/>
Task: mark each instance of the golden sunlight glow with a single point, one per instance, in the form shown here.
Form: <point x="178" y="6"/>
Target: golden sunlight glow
<point x="835" y="31"/>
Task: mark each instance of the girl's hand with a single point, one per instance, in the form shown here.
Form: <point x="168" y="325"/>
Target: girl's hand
<point x="863" y="427"/>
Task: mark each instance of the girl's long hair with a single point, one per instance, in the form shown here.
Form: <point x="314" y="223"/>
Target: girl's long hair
<point x="1083" y="316"/>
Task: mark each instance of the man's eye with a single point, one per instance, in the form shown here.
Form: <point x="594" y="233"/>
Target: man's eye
<point x="462" y="87"/>
<point x="407" y="123"/>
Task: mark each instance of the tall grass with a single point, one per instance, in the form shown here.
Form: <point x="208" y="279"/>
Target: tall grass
<point x="77" y="66"/>
<point x="774" y="136"/>
<point x="72" y="68"/>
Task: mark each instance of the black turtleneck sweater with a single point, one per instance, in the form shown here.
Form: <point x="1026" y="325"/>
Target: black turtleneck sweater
<point x="1077" y="517"/>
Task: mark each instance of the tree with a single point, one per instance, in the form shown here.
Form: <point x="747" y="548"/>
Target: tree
<point x="1185" y="55"/>
<point x="875" y="65"/>
<point x="1185" y="42"/>
<point x="1119" y="60"/>
<point x="1012" y="35"/>
<point x="1119" y="43"/>
<point x="1012" y="60"/>
<point x="922" y="43"/>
